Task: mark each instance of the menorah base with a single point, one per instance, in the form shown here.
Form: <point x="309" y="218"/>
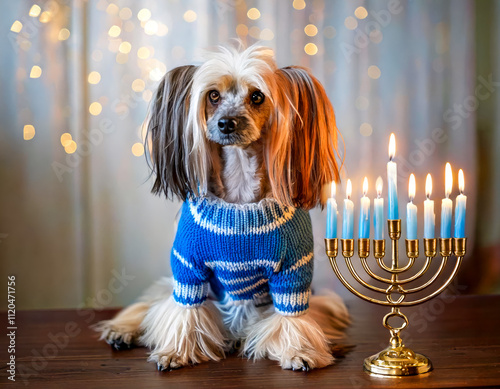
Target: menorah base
<point x="397" y="361"/>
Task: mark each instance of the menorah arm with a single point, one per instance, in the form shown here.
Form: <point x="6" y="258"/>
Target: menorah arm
<point x="368" y="270"/>
<point x="356" y="276"/>
<point x="333" y="263"/>
<point x="398" y="270"/>
<point x="431" y="280"/>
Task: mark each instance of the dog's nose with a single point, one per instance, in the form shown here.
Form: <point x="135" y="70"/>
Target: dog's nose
<point x="227" y="125"/>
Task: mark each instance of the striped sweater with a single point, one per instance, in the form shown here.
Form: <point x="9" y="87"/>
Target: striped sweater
<point x="260" y="252"/>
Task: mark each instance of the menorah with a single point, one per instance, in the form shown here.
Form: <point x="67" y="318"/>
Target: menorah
<point x="397" y="359"/>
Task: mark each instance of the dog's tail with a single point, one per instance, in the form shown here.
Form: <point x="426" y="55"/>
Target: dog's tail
<point x="329" y="311"/>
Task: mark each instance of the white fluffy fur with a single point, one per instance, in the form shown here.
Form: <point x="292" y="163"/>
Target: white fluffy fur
<point x="240" y="175"/>
<point x="179" y="336"/>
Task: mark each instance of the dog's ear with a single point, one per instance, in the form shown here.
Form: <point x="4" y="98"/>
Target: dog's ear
<point x="302" y="141"/>
<point x="166" y="127"/>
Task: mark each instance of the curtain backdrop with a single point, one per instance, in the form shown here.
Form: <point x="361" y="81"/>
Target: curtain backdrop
<point x="81" y="228"/>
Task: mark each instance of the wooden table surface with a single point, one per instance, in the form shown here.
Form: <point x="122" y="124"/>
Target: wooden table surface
<point x="461" y="335"/>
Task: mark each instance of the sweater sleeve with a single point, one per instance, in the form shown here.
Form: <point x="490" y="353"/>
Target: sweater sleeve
<point x="190" y="275"/>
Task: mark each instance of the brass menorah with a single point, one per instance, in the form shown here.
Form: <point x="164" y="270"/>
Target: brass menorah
<point x="397" y="359"/>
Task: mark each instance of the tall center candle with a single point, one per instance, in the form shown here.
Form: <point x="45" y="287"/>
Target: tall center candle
<point x="392" y="181"/>
<point x="447" y="204"/>
<point x="378" y="212"/>
<point x="331" y="214"/>
<point x="411" y="211"/>
<point x="460" y="208"/>
<point x="348" y="219"/>
<point x="364" y="214"/>
<point x="429" y="215"/>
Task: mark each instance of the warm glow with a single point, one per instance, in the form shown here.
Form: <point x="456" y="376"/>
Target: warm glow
<point x="299" y="4"/>
<point x="125" y="13"/>
<point x="350" y="23"/>
<point x="461" y="181"/>
<point x="392" y="146"/>
<point x="412" y="187"/>
<point x="95" y="108"/>
<point x="144" y="15"/>
<point x="311" y="49"/>
<point x="28" y="132"/>
<point x="114" y="31"/>
<point x="35" y="11"/>
<point x="348" y="189"/>
<point x="138" y="149"/>
<point x="374" y="72"/>
<point x="448" y="180"/>
<point x="125" y="47"/>
<point x="365" y="186"/>
<point x="66" y="138"/>
<point x="45" y="17"/>
<point x="333" y="189"/>
<point x="311" y="30"/>
<point x="428" y="186"/>
<point x="36" y="72"/>
<point x="379" y="185"/>
<point x="63" y="34"/>
<point x="71" y="147"/>
<point x="190" y="16"/>
<point x="253" y="13"/>
<point x="151" y="27"/>
<point x="267" y="34"/>
<point x="361" y="12"/>
<point x="143" y="53"/>
<point x="138" y="85"/>
<point x="16" y="26"/>
<point x="94" y="78"/>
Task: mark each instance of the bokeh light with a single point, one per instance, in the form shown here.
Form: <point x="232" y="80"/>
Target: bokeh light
<point x="374" y="72"/>
<point x="95" y="108"/>
<point x="299" y="4"/>
<point x="125" y="13"/>
<point x="94" y="78"/>
<point x="35" y="10"/>
<point x="28" y="132"/>
<point x="16" y="26"/>
<point x="242" y="30"/>
<point x="267" y="34"/>
<point x="138" y="85"/>
<point x="350" y="23"/>
<point x="366" y="129"/>
<point x="63" y="34"/>
<point x="138" y="149"/>
<point x="66" y="139"/>
<point x="190" y="16"/>
<point x="311" y="30"/>
<point x="253" y="13"/>
<point x="71" y="147"/>
<point x="361" y="12"/>
<point x="143" y="53"/>
<point x="144" y="15"/>
<point x="36" y="71"/>
<point x="125" y="47"/>
<point x="114" y="31"/>
<point x="311" y="49"/>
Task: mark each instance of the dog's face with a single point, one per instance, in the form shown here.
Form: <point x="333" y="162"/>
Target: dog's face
<point x="237" y="113"/>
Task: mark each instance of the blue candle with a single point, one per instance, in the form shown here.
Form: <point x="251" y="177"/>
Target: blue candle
<point x="378" y="213"/>
<point x="460" y="208"/>
<point x="364" y="214"/>
<point x="392" y="181"/>
<point x="411" y="211"/>
<point x="429" y="216"/>
<point x="348" y="219"/>
<point x="447" y="205"/>
<point x="331" y="214"/>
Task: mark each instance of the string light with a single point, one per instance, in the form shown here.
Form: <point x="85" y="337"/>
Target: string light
<point x="190" y="16"/>
<point x="36" y="72"/>
<point x="253" y="13"/>
<point x="28" y="132"/>
<point x="125" y="47"/>
<point x="112" y="9"/>
<point x="138" y="85"/>
<point x="95" y="108"/>
<point x="138" y="149"/>
<point x="45" y="17"/>
<point x="35" y="10"/>
<point x="350" y="23"/>
<point x="361" y="12"/>
<point x="374" y="72"/>
<point x="311" y="49"/>
<point x="162" y="29"/>
<point x="299" y="4"/>
<point x="143" y="53"/>
<point x="94" y="78"/>
<point x="151" y="27"/>
<point x="71" y="147"/>
<point x="114" y="31"/>
<point x="311" y="30"/>
<point x="16" y="26"/>
<point x="144" y="15"/>
<point x="125" y="13"/>
<point x="66" y="139"/>
<point x="64" y="34"/>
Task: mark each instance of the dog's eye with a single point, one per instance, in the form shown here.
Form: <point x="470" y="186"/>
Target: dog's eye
<point x="257" y="97"/>
<point x="214" y="96"/>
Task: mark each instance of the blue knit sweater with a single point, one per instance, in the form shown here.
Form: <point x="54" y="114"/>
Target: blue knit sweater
<point x="258" y="251"/>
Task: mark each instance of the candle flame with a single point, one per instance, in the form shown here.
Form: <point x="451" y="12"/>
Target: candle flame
<point x="392" y="146"/>
<point x="348" y="189"/>
<point x="428" y="186"/>
<point x="365" y="186"/>
<point x="461" y="181"/>
<point x="412" y="187"/>
<point x="379" y="185"/>
<point x="333" y="189"/>
<point x="448" y="180"/>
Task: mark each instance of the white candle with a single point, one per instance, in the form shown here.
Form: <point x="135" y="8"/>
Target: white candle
<point x="447" y="204"/>
<point x="429" y="215"/>
<point x="378" y="212"/>
<point x="348" y="219"/>
<point x="411" y="211"/>
<point x="364" y="214"/>
<point x="331" y="214"/>
<point x="460" y="206"/>
<point x="392" y="181"/>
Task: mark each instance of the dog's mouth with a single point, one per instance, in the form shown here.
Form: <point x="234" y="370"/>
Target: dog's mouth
<point x="242" y="134"/>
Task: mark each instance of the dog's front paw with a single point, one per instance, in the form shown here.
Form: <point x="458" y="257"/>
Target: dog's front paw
<point x="118" y="337"/>
<point x="295" y="364"/>
<point x="167" y="361"/>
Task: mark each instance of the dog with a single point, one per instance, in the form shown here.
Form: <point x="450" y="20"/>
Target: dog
<point x="248" y="147"/>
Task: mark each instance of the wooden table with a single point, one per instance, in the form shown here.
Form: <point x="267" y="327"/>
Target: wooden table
<point x="461" y="335"/>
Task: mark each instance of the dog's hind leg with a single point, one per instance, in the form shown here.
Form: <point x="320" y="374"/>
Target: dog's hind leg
<point x="124" y="330"/>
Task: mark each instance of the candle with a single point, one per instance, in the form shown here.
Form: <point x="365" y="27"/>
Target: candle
<point x="348" y="220"/>
<point x="392" y="181"/>
<point x="429" y="216"/>
<point x="378" y="213"/>
<point x="331" y="214"/>
<point x="460" y="208"/>
<point x="411" y="211"/>
<point x="364" y="215"/>
<point x="447" y="204"/>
